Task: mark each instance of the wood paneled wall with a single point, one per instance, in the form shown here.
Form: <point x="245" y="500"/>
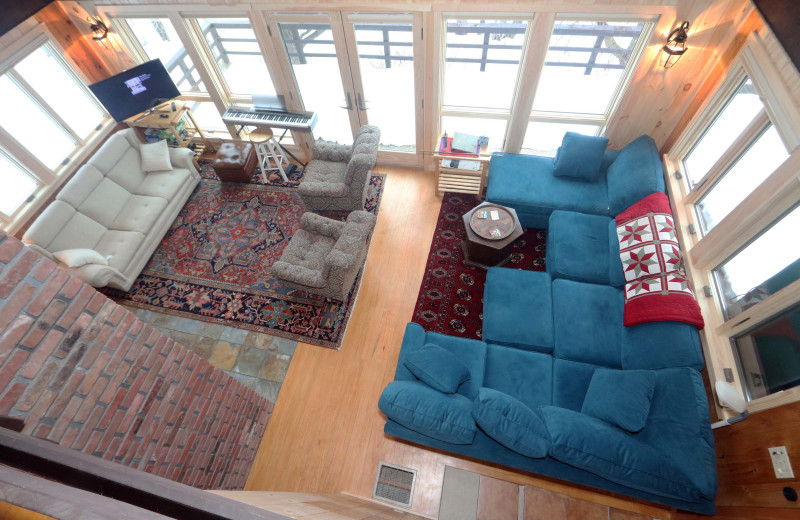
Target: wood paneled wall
<point x="748" y="488"/>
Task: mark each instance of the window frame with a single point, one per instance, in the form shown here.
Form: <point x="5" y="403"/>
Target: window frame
<point x="778" y="194"/>
<point x="48" y="179"/>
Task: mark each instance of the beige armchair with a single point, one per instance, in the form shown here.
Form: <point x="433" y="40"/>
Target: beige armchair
<point x="325" y="255"/>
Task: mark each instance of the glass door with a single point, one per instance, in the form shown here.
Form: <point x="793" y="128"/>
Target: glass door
<point x="317" y="57"/>
<point x="381" y="49"/>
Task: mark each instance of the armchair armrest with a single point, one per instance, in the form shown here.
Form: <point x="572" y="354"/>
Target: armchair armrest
<point x="330" y="151"/>
<point x="362" y="217"/>
<point x="298" y="274"/>
<point x="322" y="225"/>
<point x="323" y="189"/>
<point x="182" y="158"/>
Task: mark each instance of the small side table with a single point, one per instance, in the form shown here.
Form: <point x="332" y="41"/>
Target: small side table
<point x="460" y="180"/>
<point x="483" y="252"/>
<point x="235" y="162"/>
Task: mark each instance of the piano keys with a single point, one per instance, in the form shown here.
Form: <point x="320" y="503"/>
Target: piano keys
<point x="238" y="115"/>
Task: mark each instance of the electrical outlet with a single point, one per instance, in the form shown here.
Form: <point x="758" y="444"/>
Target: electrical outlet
<point x="780" y="462"/>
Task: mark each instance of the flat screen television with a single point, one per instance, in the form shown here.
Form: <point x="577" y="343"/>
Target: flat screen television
<point x="135" y="90"/>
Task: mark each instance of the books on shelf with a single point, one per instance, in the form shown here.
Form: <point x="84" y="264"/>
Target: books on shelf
<point x="446" y="148"/>
<point x="465" y="142"/>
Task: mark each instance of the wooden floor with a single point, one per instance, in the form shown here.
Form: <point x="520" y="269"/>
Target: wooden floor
<point x="326" y="432"/>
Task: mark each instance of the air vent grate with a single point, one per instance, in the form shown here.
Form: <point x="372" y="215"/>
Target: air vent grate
<point x="394" y="484"/>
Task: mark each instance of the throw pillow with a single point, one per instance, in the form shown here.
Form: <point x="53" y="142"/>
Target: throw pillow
<point x="446" y="417"/>
<point x="438" y="368"/>
<point x="647" y="242"/>
<point x="620" y="397"/>
<point x="580" y="157"/>
<point x="511" y="423"/>
<point x="155" y="157"/>
<point x="79" y="257"/>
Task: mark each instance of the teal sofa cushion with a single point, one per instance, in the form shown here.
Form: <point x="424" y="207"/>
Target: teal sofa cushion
<point x="570" y="382"/>
<point x="470" y="352"/>
<point x="527" y="184"/>
<point x="438" y="368"/>
<point x="605" y="450"/>
<point x="587" y="322"/>
<point x="661" y="344"/>
<point x="634" y="174"/>
<point x="418" y="407"/>
<point x="620" y="397"/>
<point x="580" y="157"/>
<point x="517" y="309"/>
<point x="511" y="423"/>
<point x="526" y="376"/>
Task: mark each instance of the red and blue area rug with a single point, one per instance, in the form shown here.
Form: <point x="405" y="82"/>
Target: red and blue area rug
<point x="214" y="263"/>
<point x="450" y="298"/>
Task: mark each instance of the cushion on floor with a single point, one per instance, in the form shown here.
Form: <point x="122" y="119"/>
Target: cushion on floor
<point x="511" y="423"/>
<point x="517" y="309"/>
<point x="438" y="368"/>
<point x="620" y="397"/>
<point x="418" y="407"/>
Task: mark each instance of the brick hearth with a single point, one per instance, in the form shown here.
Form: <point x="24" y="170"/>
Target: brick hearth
<point x="88" y="374"/>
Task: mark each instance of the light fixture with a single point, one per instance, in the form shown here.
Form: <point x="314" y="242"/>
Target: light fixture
<point x="99" y="29"/>
<point x="730" y="398"/>
<point x="675" y="46"/>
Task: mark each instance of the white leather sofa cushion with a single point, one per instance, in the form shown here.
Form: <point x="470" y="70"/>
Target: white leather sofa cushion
<point x="105" y="202"/>
<point x="49" y="224"/>
<point x="81" y="185"/>
<point x="79" y="232"/>
<point x="119" y="247"/>
<point x="164" y="184"/>
<point x="127" y="172"/>
<point x="112" y="152"/>
<point x="139" y="214"/>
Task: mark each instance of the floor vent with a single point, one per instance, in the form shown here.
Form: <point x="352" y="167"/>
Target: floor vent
<point x="394" y="484"/>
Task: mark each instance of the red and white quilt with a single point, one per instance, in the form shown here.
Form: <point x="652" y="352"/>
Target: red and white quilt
<point x="656" y="288"/>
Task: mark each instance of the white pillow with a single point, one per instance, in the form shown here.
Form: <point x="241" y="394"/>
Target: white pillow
<point x="79" y="257"/>
<point x="155" y="157"/>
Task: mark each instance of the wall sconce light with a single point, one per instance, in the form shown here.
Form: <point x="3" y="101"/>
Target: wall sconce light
<point x="98" y="28"/>
<point x="675" y="46"/>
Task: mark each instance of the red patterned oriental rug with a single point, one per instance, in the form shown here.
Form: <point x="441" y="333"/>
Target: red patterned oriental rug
<point x="450" y="298"/>
<point x="213" y="263"/>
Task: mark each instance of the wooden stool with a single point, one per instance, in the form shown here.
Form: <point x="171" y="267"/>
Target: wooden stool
<point x="235" y="161"/>
<point x="268" y="149"/>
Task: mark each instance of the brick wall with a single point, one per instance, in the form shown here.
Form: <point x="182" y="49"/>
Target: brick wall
<point x="86" y="373"/>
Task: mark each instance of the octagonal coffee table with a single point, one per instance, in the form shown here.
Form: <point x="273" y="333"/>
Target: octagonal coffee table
<point x="491" y="231"/>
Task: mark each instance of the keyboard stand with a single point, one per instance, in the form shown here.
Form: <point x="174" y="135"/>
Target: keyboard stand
<point x="293" y="156"/>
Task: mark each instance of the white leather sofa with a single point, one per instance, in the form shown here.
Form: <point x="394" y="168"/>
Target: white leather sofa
<point x="114" y="208"/>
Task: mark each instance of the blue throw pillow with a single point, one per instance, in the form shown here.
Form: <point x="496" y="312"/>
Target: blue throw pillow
<point x="445" y="417"/>
<point x="620" y="397"/>
<point x="511" y="423"/>
<point x="438" y="368"/>
<point x="580" y="157"/>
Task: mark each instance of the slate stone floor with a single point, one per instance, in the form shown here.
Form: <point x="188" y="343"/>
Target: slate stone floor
<point x="259" y="361"/>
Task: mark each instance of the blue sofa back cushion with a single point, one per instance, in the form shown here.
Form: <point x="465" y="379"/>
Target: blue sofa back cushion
<point x="620" y="397"/>
<point x="580" y="157"/>
<point x="634" y="174"/>
<point x="511" y="423"/>
<point x="418" y="407"/>
<point x="438" y="368"/>
<point x="605" y="450"/>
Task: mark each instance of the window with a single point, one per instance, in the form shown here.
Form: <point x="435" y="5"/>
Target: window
<point x="238" y="58"/>
<point x="48" y="115"/>
<point x="585" y="70"/>
<point x="158" y="40"/>
<point x="735" y="179"/>
<point x="45" y="108"/>
<point x="482" y="63"/>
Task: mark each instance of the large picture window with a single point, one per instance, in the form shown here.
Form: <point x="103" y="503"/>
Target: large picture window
<point x="585" y="70"/>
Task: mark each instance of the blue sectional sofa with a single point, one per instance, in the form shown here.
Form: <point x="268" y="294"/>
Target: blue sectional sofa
<point x="552" y="388"/>
<point x="527" y="184"/>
